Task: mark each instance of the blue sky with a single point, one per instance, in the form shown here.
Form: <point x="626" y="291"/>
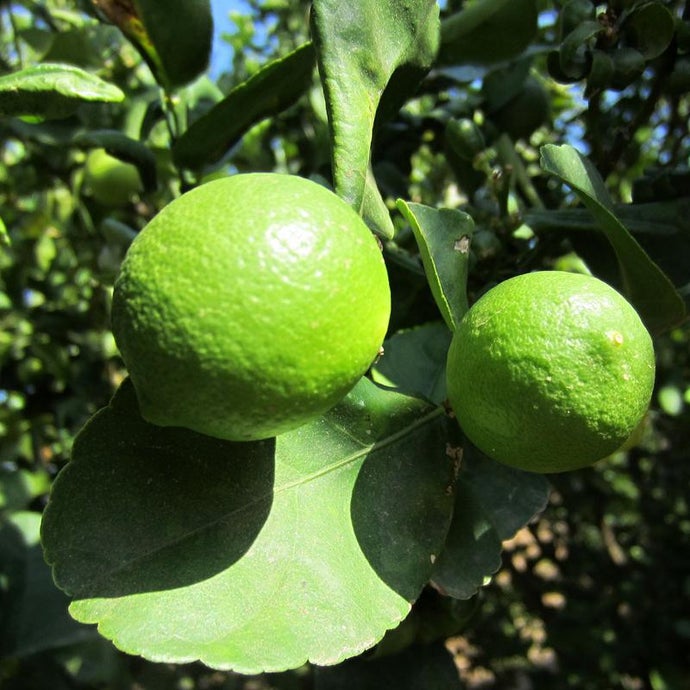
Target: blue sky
<point x="222" y="53"/>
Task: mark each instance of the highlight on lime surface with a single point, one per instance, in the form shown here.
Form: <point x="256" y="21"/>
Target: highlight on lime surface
<point x="550" y="371"/>
<point x="249" y="306"/>
<point x="109" y="180"/>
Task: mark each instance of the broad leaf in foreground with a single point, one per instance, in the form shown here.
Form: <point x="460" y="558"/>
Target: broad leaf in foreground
<point x="645" y="284"/>
<point x="256" y="556"/>
<point x="443" y="237"/>
<point x="53" y="90"/>
<point x="492" y="502"/>
<point x="365" y="48"/>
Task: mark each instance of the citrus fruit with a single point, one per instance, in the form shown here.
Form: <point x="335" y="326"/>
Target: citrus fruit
<point x="550" y="371"/>
<point x="249" y="306"/>
<point x="110" y="181"/>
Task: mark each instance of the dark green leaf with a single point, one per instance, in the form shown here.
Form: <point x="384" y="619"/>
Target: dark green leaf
<point x="126" y="149"/>
<point x="34" y="615"/>
<point x="650" y="28"/>
<point x="252" y="556"/>
<point x="644" y="283"/>
<point x="628" y="66"/>
<point x="601" y="71"/>
<point x="272" y="89"/>
<point x="502" y="85"/>
<point x="492" y="502"/>
<point x="443" y="237"/>
<point x="574" y="13"/>
<point x="370" y="52"/>
<point x="174" y="37"/>
<point x="52" y="91"/>
<point x="575" y="53"/>
<point x="427" y="667"/>
<point x="414" y="361"/>
<point x="488" y="31"/>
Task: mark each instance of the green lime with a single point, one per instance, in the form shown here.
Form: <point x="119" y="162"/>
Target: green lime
<point x="550" y="371"/>
<point x="249" y="306"/>
<point x="110" y="181"/>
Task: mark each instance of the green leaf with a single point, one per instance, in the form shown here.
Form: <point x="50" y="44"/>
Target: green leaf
<point x="53" y="90"/>
<point x="256" y="556"/>
<point x="414" y="361"/>
<point x="269" y="91"/>
<point x="492" y="502"/>
<point x="488" y="31"/>
<point x="371" y="53"/>
<point x="174" y="37"/>
<point x="574" y="55"/>
<point x="126" y="149"/>
<point x="443" y="236"/>
<point x="428" y="666"/>
<point x="18" y="487"/>
<point x="650" y="28"/>
<point x="34" y="612"/>
<point x="644" y="283"/>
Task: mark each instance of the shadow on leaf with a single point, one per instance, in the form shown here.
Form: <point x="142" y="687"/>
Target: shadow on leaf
<point x="402" y="498"/>
<point x="143" y="508"/>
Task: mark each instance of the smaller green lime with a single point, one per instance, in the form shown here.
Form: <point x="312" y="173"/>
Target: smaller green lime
<point x="109" y="180"/>
<point x="550" y="371"/>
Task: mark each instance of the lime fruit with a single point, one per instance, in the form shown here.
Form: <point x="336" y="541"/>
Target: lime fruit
<point x="249" y="306"/>
<point x="109" y="180"/>
<point x="550" y="371"/>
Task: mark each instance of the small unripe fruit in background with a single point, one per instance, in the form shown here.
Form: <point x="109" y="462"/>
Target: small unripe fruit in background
<point x="109" y="180"/>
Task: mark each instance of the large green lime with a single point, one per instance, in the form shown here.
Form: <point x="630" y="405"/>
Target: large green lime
<point x="249" y="306"/>
<point x="550" y="371"/>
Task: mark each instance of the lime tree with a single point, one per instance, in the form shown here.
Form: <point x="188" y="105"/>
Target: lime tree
<point x="249" y="306"/>
<point x="550" y="371"/>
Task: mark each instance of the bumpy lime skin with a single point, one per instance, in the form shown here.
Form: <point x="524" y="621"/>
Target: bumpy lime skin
<point x="249" y="306"/>
<point x="550" y="371"/>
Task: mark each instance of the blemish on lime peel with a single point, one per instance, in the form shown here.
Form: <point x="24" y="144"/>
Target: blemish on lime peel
<point x="616" y="337"/>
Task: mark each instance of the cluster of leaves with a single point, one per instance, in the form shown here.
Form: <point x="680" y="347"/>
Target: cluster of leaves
<point x="369" y="532"/>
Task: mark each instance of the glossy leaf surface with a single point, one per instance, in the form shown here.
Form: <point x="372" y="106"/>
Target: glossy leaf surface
<point x="645" y="284"/>
<point x="371" y="53"/>
<point x="53" y="90"/>
<point x="443" y="237"/>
